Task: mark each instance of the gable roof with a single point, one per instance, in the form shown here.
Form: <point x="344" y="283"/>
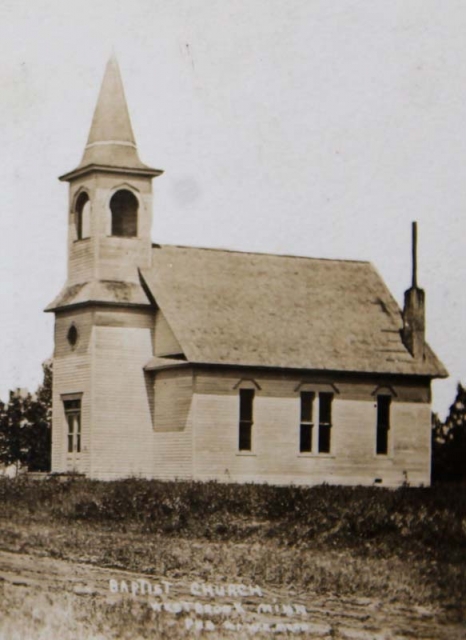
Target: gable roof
<point x="234" y="308"/>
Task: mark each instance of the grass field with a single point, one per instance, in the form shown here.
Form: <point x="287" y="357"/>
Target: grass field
<point x="401" y="548"/>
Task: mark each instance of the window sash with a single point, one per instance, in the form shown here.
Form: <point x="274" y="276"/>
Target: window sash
<point x="325" y="421"/>
<point x="325" y="408"/>
<point x="383" y="424"/>
<point x="70" y="420"/>
<point x="246" y="401"/>
<point x="245" y="435"/>
<point x="324" y="438"/>
<point x="73" y="419"/>
<point x="305" y="437"/>
<point x="307" y="406"/>
<point x="307" y="424"/>
<point x="78" y="433"/>
<point x="308" y="439"/>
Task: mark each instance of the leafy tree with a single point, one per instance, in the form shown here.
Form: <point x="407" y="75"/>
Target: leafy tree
<point x="13" y="441"/>
<point x="449" y="441"/>
<point x="25" y="427"/>
<point x="40" y="420"/>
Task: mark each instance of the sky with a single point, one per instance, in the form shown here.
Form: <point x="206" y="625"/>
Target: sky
<point x="308" y="127"/>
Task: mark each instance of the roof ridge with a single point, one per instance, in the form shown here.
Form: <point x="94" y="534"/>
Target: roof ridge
<point x="259" y="253"/>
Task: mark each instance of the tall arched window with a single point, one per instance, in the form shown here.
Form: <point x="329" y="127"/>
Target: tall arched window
<point x="82" y="216"/>
<point x="124" y="208"/>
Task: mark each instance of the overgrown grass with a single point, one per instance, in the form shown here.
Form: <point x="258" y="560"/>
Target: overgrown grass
<point x="407" y="519"/>
<point x="405" y="545"/>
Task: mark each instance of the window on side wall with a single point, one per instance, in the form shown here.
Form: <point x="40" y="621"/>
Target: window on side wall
<point x="246" y="402"/>
<point x="325" y="422"/>
<point x="383" y="424"/>
<point x="73" y="421"/>
<point x="306" y="424"/>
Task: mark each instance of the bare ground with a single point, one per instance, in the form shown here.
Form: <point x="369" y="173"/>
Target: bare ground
<point x="47" y="598"/>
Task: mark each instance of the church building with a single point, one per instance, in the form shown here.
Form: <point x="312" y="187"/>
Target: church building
<point x="180" y="362"/>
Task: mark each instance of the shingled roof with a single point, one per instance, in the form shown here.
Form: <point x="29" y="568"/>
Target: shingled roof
<point x="234" y="308"/>
<point x="100" y="291"/>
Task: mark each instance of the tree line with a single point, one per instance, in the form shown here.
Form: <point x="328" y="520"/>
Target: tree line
<point x="449" y="441"/>
<point x="25" y="427"/>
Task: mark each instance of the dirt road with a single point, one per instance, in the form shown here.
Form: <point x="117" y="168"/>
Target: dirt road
<point x="51" y="598"/>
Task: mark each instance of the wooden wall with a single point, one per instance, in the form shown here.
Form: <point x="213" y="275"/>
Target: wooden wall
<point x="101" y="256"/>
<point x="106" y="366"/>
<point x="275" y="455"/>
<point x="122" y="434"/>
<point x="165" y="342"/>
<point x="183" y="422"/>
<point x="71" y="375"/>
<point x="173" y="392"/>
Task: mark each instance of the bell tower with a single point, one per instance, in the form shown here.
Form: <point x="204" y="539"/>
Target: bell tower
<point x="101" y="423"/>
<point x="110" y="196"/>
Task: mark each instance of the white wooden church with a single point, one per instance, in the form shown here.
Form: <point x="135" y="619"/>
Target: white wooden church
<point x="179" y="362"/>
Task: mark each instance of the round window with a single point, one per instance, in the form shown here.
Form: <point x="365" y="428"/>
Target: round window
<point x="72" y="335"/>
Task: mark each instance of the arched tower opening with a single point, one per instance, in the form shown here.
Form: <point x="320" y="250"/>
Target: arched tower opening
<point x="82" y="216"/>
<point x="124" y="208"/>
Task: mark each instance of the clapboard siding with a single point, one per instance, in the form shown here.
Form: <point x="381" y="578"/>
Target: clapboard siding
<point x="72" y="374"/>
<point x="81" y="260"/>
<point x="173" y="392"/>
<point x="286" y="384"/>
<point x="136" y="318"/>
<point x="165" y="341"/>
<point x="83" y="320"/>
<point x="173" y="451"/>
<point x="173" y="424"/>
<point x="122" y="438"/>
<point x="173" y="458"/>
<point x="275" y="455"/>
<point x="81" y="253"/>
<point x="118" y="258"/>
<point x="412" y="440"/>
<point x="101" y="256"/>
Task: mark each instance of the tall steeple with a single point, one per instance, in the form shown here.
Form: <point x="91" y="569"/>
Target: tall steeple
<point x="110" y="204"/>
<point x="104" y="318"/>
<point x="111" y="143"/>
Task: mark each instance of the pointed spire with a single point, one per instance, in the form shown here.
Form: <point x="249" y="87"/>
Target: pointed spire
<point x="111" y="122"/>
<point x="111" y="139"/>
<point x="111" y="142"/>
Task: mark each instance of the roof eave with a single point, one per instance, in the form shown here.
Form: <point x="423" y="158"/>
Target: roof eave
<point x="169" y="364"/>
<point x="441" y="373"/>
<point x="90" y="168"/>
<point x="100" y="303"/>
